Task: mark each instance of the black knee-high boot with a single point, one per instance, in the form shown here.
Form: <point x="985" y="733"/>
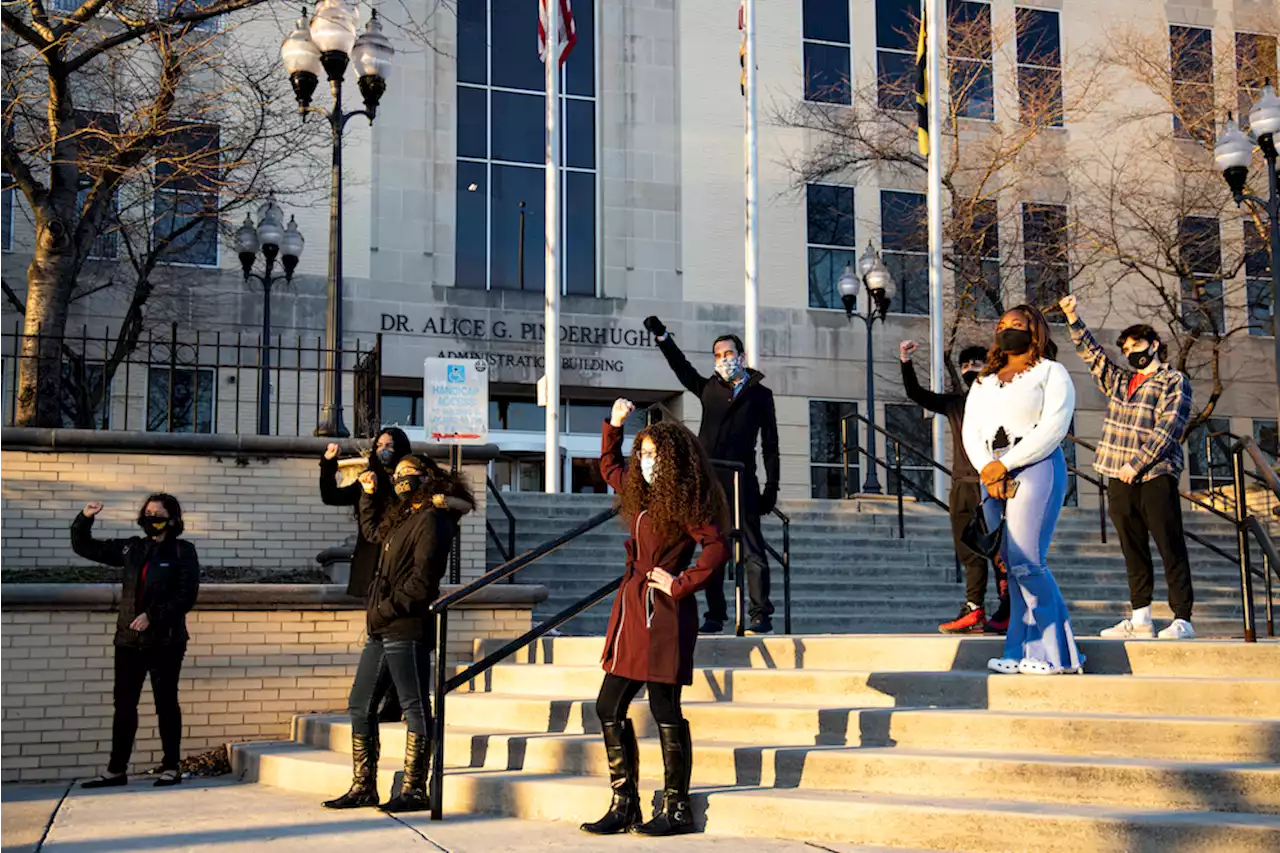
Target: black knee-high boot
<point x="624" y="770"/>
<point x="413" y="784"/>
<point x="674" y="816"/>
<point x="364" y="775"/>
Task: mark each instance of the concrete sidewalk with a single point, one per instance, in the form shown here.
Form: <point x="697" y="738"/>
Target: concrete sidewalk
<point x="228" y="816"/>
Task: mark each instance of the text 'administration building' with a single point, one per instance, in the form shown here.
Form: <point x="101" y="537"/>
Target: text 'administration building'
<point x="444" y="216"/>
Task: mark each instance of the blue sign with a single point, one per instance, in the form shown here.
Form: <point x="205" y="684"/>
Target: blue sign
<point x="457" y="373"/>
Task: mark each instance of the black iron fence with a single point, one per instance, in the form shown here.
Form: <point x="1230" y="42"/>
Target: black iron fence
<point x="189" y="381"/>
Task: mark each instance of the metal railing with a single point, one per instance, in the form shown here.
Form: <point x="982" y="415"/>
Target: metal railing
<point x="507" y="552"/>
<point x="1248" y="525"/>
<point x="199" y="382"/>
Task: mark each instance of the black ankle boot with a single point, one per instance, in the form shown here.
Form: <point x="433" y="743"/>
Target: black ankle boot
<point x="364" y="775"/>
<point x="674" y="816"/>
<point x="413" y="784"/>
<point x="624" y="768"/>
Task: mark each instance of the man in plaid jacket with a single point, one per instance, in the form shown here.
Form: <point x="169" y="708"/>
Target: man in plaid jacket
<point x="1140" y="453"/>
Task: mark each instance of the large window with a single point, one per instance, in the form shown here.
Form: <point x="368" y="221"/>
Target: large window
<point x="905" y="239"/>
<point x="1200" y="253"/>
<point x="1209" y="455"/>
<point x="96" y="131"/>
<point x="826" y="456"/>
<point x="977" y="250"/>
<point x="1255" y="65"/>
<point x="897" y="29"/>
<point x="1264" y="433"/>
<point x="501" y="174"/>
<point x="1191" y="67"/>
<point x="187" y="406"/>
<point x="187" y="172"/>
<point x="1045" y="257"/>
<point x="1039" y="67"/>
<point x="907" y="421"/>
<point x="1257" y="271"/>
<point x="826" y="51"/>
<point x="829" y="215"/>
<point x="971" y="78"/>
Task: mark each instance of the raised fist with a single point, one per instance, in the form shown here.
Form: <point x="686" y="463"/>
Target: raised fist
<point x="92" y="508"/>
<point x="653" y="324"/>
<point x="331" y="452"/>
<point x="906" y="349"/>
<point x="1068" y="306"/>
<point x="622" y="410"/>
<point x="368" y="482"/>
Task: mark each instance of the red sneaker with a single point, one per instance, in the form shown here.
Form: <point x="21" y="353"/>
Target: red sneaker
<point x="999" y="621"/>
<point x="970" y="621"/>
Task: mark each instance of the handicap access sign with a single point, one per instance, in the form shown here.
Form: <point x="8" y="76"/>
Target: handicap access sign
<point x="456" y="401"/>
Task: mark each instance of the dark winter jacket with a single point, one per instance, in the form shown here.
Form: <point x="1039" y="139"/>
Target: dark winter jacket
<point x="413" y="558"/>
<point x="160" y="579"/>
<point x="950" y="405"/>
<point x="651" y="634"/>
<point x="732" y="425"/>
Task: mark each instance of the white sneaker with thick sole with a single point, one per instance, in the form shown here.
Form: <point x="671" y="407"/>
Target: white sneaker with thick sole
<point x="1179" y="629"/>
<point x="1004" y="666"/>
<point x="1130" y="630"/>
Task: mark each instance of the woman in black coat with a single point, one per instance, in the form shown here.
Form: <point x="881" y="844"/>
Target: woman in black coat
<point x="160" y="580"/>
<point x="415" y="538"/>
<point x="389" y="448"/>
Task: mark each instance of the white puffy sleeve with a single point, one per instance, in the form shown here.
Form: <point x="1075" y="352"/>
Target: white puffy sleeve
<point x="975" y="447"/>
<point x="1055" y="420"/>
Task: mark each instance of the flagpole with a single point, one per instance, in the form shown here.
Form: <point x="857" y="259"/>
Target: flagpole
<point x="551" y="333"/>
<point x="935" y="27"/>
<point x="751" y="338"/>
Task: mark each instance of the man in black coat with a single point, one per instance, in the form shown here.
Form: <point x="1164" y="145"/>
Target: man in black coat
<point x="965" y="494"/>
<point x="737" y="412"/>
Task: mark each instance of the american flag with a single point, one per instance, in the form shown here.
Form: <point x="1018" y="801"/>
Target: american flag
<point x="568" y="35"/>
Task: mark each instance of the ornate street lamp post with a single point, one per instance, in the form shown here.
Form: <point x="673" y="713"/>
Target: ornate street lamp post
<point x="876" y="280"/>
<point x="329" y="44"/>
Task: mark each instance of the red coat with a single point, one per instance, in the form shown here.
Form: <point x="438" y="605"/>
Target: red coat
<point x="651" y="635"/>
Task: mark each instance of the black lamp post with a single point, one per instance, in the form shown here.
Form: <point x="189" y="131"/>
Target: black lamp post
<point x="876" y="280"/>
<point x="329" y="44"/>
<point x="270" y="238"/>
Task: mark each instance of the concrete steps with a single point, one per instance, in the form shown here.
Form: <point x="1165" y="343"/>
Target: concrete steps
<point x="902" y="742"/>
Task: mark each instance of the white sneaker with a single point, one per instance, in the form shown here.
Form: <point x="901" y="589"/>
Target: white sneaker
<point x="1004" y="666"/>
<point x="1130" y="630"/>
<point x="1179" y="629"/>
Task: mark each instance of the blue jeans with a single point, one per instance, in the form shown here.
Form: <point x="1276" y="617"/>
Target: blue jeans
<point x="1039" y="627"/>
<point x="407" y="664"/>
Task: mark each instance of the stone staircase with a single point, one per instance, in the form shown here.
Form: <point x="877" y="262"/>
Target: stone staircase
<point x="852" y="574"/>
<point x="905" y="742"/>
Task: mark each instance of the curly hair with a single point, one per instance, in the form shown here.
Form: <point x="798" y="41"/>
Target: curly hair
<point x="685" y="489"/>
<point x="1041" y="340"/>
<point x="437" y="481"/>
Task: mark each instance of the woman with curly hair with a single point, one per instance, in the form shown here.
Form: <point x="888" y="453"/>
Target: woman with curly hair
<point x="1018" y="413"/>
<point x="671" y="501"/>
<point x="415" y="536"/>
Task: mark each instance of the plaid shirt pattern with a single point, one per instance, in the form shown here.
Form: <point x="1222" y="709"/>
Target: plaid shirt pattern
<point x="1145" y="430"/>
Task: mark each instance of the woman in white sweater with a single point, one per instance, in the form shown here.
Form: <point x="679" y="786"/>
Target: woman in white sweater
<point x="1018" y="412"/>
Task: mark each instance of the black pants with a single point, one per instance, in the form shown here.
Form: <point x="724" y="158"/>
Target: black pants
<point x="164" y="665"/>
<point x="964" y="499"/>
<point x="617" y="692"/>
<point x="406" y="664"/>
<point x="756" y="563"/>
<point x="1152" y="508"/>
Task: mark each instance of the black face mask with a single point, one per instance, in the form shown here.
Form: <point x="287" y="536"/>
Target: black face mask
<point x="970" y="377"/>
<point x="1013" y="341"/>
<point x="154" y="525"/>
<point x="408" y="484"/>
<point x="1142" y="359"/>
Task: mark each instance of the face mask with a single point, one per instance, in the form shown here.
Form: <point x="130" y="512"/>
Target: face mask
<point x="387" y="456"/>
<point x="648" y="465"/>
<point x="1013" y="341"/>
<point x="1142" y="359"/>
<point x="154" y="525"/>
<point x="407" y="483"/>
<point x="728" y="368"/>
<point x="970" y="377"/>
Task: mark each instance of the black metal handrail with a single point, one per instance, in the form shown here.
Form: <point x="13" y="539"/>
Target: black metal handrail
<point x="1247" y="524"/>
<point x="509" y="551"/>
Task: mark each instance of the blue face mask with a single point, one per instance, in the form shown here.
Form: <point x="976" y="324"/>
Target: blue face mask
<point x="648" y="465"/>
<point x="387" y="457"/>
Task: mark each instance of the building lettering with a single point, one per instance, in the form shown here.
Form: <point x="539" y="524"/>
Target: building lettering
<point x="466" y="328"/>
<point x="583" y="364"/>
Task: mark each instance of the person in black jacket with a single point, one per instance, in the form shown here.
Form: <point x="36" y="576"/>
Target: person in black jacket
<point x="737" y="411"/>
<point x="965" y="494"/>
<point x="389" y="448"/>
<point x="160" y="581"/>
<point x="414" y="539"/>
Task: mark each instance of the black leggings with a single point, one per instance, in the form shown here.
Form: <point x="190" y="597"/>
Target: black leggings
<point x="617" y="692"/>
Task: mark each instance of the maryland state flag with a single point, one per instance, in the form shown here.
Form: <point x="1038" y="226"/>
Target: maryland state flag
<point x="922" y="94"/>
